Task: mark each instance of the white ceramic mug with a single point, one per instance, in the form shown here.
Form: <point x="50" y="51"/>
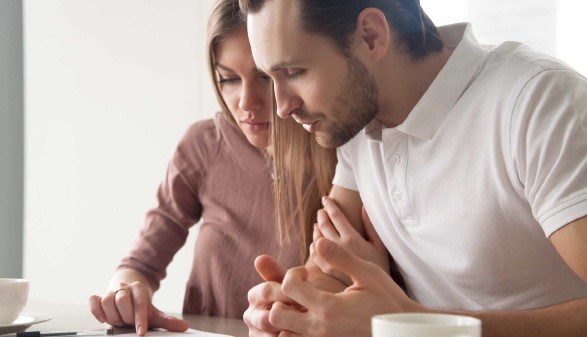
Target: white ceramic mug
<point x="13" y="297"/>
<point x="425" y="325"/>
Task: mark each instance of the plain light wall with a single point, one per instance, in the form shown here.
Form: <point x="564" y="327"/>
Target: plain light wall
<point x="111" y="86"/>
<point x="554" y="27"/>
<point x="11" y="138"/>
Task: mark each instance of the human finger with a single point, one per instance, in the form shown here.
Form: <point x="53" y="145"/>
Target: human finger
<point x="269" y="269"/>
<point x="264" y="294"/>
<point x="326" y="227"/>
<point x="257" y="319"/>
<point x="96" y="308"/>
<point x="294" y="286"/>
<point x="286" y="333"/>
<point x="316" y="233"/>
<point x="123" y="298"/>
<point x="340" y="258"/>
<point x="109" y="306"/>
<point x="141" y="301"/>
<point x="291" y="321"/>
<point x="159" y="319"/>
<point x="337" y="218"/>
<point x="261" y="299"/>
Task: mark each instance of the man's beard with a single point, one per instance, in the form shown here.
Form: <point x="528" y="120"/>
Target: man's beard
<point x="356" y="106"/>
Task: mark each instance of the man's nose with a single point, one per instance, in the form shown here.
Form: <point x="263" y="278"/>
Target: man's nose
<point x="287" y="102"/>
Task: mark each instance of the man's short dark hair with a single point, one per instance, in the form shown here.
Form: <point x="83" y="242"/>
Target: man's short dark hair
<point x="337" y="19"/>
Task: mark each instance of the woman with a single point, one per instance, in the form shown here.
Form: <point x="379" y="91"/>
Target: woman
<point x="220" y="173"/>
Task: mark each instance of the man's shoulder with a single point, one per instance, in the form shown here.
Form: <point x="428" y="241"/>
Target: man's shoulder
<point x="516" y="58"/>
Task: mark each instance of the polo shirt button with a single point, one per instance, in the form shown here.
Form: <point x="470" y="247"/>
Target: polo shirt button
<point x="397" y="195"/>
<point x="396" y="159"/>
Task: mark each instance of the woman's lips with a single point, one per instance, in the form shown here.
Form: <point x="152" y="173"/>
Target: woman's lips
<point x="255" y="126"/>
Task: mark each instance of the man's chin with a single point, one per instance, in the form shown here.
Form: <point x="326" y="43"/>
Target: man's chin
<point x="334" y="140"/>
<point x="326" y="141"/>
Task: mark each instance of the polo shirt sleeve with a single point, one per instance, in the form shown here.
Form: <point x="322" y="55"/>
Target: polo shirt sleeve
<point x="549" y="146"/>
<point x="344" y="176"/>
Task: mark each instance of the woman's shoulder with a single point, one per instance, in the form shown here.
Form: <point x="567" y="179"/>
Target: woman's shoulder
<point x="201" y="141"/>
<point x="204" y="130"/>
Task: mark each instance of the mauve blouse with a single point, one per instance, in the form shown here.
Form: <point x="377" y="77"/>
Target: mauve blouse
<point x="218" y="177"/>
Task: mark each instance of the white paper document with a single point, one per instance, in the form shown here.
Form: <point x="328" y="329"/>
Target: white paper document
<point x="188" y="333"/>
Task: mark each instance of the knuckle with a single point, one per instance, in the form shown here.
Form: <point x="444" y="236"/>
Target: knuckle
<point x="266" y="292"/>
<point x="260" y="321"/>
<point x="347" y="241"/>
<point x="252" y="295"/>
<point x="287" y="284"/>
<point x="137" y="286"/>
<point x="123" y="300"/>
<point x="107" y="299"/>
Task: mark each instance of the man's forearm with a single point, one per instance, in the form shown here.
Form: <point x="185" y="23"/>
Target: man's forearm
<point x="567" y="319"/>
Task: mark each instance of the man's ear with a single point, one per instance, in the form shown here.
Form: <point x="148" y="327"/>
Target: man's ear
<point x="373" y="31"/>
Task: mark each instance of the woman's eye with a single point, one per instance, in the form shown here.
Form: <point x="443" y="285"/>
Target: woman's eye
<point x="228" y="80"/>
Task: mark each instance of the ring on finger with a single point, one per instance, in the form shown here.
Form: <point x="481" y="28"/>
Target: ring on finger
<point x="119" y="289"/>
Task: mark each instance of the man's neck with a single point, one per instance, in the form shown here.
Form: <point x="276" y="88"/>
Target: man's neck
<point x="404" y="83"/>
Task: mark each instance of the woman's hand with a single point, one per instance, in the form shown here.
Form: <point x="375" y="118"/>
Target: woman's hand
<point x="130" y="304"/>
<point x="334" y="226"/>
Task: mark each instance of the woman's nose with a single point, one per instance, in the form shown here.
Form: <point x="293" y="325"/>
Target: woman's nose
<point x="252" y="97"/>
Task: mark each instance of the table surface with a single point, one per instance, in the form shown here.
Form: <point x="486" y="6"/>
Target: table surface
<point x="78" y="317"/>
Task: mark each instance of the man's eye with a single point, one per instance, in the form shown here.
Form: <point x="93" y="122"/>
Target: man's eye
<point x="294" y="73"/>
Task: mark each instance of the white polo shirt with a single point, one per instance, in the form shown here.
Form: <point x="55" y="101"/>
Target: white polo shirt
<point x="489" y="163"/>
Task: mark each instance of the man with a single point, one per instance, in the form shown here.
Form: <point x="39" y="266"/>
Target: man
<point x="471" y="163"/>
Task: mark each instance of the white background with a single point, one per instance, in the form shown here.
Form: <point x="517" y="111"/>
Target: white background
<point x="111" y="85"/>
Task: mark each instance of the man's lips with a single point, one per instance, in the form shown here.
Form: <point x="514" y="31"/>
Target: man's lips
<point x="309" y="126"/>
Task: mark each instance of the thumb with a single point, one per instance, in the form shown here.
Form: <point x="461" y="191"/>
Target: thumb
<point x="158" y="319"/>
<point x="340" y="258"/>
<point x="269" y="269"/>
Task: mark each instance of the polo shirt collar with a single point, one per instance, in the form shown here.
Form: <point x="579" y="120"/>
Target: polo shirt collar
<point x="446" y="89"/>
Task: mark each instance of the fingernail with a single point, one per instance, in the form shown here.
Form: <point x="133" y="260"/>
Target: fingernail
<point x="140" y="330"/>
<point x="324" y="199"/>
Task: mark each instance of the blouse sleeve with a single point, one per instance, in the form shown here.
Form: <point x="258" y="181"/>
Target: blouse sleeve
<point x="178" y="205"/>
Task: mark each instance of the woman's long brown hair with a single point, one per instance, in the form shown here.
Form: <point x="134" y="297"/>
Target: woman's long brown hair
<point x="303" y="172"/>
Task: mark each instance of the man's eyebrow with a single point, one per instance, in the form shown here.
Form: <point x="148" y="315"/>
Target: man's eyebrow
<point x="286" y="64"/>
<point x="278" y="66"/>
